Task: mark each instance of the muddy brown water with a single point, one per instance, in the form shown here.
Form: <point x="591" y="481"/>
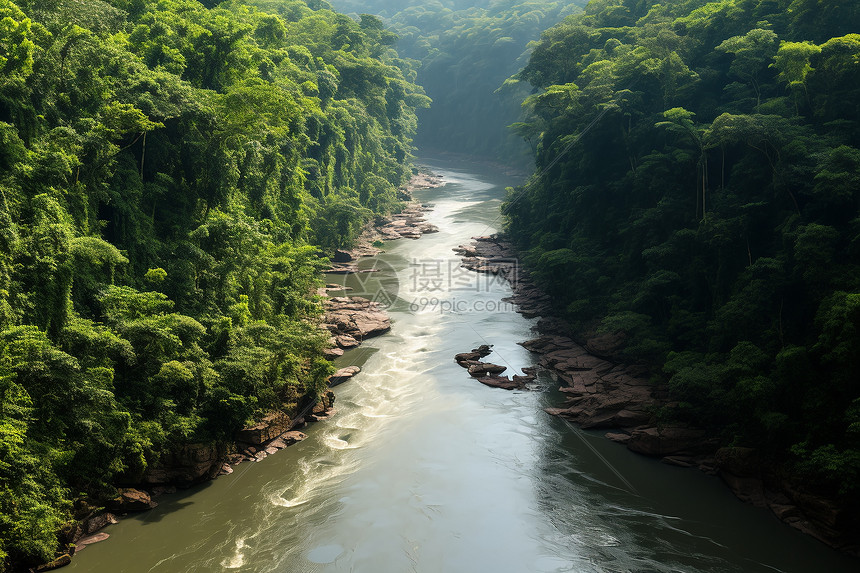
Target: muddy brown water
<point x="425" y="470"/>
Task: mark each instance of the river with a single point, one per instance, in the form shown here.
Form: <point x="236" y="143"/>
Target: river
<point x="423" y="469"/>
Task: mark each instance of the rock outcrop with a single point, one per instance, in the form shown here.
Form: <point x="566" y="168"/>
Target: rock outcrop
<point x="479" y="369"/>
<point x="342" y="375"/>
<point x="355" y="317"/>
<point x="489" y="374"/>
<point x="476" y="354"/>
<point x="267" y="429"/>
<point x="601" y="393"/>
<point x="130" y="499"/>
<point x="186" y="465"/>
<point x="60" y="561"/>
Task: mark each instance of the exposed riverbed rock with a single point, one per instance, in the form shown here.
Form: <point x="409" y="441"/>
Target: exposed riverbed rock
<point x="332" y="353"/>
<point x="665" y="441"/>
<point x="502" y="382"/>
<point x="341" y="256"/>
<point x="602" y="393"/>
<point x="90" y="539"/>
<point x="345" y="341"/>
<point x="758" y="481"/>
<point x="488" y="374"/>
<point x="355" y="316"/>
<point x="473" y="356"/>
<point x="287" y="439"/>
<point x="484" y="368"/>
<point x="130" y="499"/>
<point x="86" y="528"/>
<point x="423" y="180"/>
<point x="343" y="375"/>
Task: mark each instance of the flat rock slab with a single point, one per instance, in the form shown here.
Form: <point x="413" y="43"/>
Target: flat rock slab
<point x="482" y="368"/>
<point x="466" y="359"/>
<point x="90" y="539"/>
<point x="355" y="316"/>
<point x="343" y="375"/>
<point x="502" y="382"/>
<point x="131" y="499"/>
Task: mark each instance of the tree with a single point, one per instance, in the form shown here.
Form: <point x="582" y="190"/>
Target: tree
<point x="751" y="53"/>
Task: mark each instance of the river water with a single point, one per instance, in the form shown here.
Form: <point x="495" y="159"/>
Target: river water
<point x="423" y="469"/>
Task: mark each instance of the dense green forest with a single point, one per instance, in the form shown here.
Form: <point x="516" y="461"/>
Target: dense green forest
<point x="697" y="192"/>
<point x="467" y="49"/>
<point x="168" y="172"/>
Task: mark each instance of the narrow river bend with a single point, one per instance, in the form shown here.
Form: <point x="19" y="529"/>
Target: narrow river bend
<point x="423" y="469"/>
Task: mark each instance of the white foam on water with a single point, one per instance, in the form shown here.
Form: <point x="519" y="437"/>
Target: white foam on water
<point x="338" y="443"/>
<point x="281" y="502"/>
<point x="238" y="558"/>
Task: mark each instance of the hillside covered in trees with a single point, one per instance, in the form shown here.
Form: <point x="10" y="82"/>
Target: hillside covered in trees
<point x="467" y="49"/>
<point x="697" y="194"/>
<point x="168" y="172"/>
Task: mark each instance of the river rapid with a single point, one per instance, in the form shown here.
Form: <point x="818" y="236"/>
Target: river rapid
<point x="423" y="469"/>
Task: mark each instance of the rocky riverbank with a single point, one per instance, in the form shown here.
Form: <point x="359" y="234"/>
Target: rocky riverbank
<point x="407" y="224"/>
<point x="602" y="393"/>
<point x="350" y="320"/>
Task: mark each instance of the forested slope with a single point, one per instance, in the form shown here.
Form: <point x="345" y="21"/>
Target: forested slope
<point x="167" y="171"/>
<point x="697" y="189"/>
<point x="467" y="49"/>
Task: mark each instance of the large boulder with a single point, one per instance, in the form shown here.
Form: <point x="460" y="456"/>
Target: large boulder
<point x="287" y="439"/>
<point x="465" y="359"/>
<point x="61" y="561"/>
<point x="90" y="539"/>
<point x="268" y="428"/>
<point x="484" y="368"/>
<point x="130" y="499"/>
<point x="343" y="375"/>
<point x="502" y="382"/>
<point x="186" y="465"/>
<point x="358" y="317"/>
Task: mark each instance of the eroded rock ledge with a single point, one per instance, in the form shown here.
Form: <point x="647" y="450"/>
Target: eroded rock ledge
<point x="489" y="374"/>
<point x="352" y="319"/>
<point x="601" y="393"/>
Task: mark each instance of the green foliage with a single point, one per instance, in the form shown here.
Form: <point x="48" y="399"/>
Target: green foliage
<point x="696" y="194"/>
<point x="168" y="173"/>
<point x="466" y="50"/>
